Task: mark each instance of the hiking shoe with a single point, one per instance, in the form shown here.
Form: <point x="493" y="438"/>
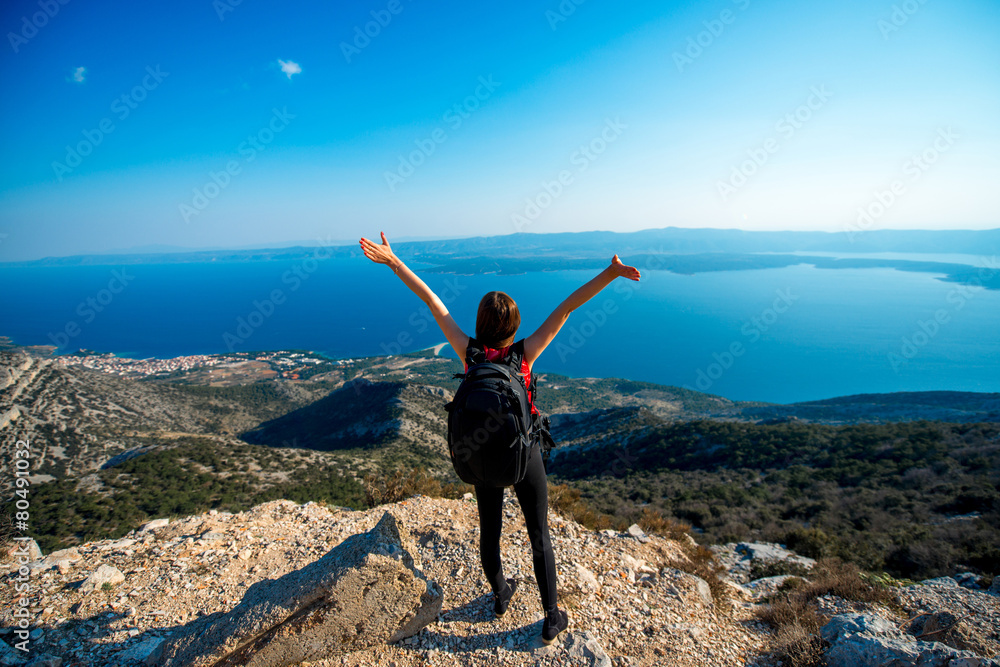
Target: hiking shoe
<point x="555" y="623"/>
<point x="500" y="600"/>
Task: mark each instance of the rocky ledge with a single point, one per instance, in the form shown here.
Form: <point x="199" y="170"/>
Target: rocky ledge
<point x="401" y="585"/>
<point x="221" y="588"/>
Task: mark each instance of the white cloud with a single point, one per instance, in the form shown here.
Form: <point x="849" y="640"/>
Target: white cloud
<point x="79" y="74"/>
<point x="289" y="67"/>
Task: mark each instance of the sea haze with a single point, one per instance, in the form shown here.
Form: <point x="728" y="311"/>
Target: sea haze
<point x="784" y="334"/>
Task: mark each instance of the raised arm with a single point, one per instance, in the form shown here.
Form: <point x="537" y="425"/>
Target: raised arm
<point x="382" y="254"/>
<point x="536" y="343"/>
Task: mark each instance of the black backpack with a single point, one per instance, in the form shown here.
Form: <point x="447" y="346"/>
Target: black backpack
<point x="490" y="426"/>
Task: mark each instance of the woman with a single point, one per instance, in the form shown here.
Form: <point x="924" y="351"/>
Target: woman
<point x="496" y="326"/>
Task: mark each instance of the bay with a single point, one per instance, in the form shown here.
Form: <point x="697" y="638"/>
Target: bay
<point x="781" y="335"/>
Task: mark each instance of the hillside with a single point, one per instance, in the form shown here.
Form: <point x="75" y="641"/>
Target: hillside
<point x="916" y="499"/>
<point x="634" y="599"/>
<point x="78" y="419"/>
<point x="110" y="453"/>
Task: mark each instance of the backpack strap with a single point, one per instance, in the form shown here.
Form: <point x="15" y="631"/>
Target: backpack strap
<point x="474" y="353"/>
<point x="516" y="355"/>
<point x="516" y="358"/>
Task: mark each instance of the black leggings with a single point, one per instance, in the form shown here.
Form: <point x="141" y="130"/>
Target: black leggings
<point x="533" y="496"/>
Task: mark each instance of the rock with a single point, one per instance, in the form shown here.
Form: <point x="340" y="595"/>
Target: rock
<point x="936" y="623"/>
<point x="71" y="554"/>
<point x="632" y="563"/>
<point x="995" y="586"/>
<point x="120" y="545"/>
<point x="968" y="580"/>
<point x="24" y="548"/>
<point x="765" y="586"/>
<point x="704" y="590"/>
<point x="843" y="625"/>
<point x="153" y="525"/>
<point x="40" y="565"/>
<point x="940" y="581"/>
<point x="588" y="581"/>
<point x="148" y="652"/>
<point x="755" y="550"/>
<point x="738" y="591"/>
<point x="10" y="656"/>
<point x="45" y="660"/>
<point x="772" y="553"/>
<point x="944" y="627"/>
<point x="468" y="496"/>
<point x="367" y="590"/>
<point x="105" y="574"/>
<point x="584" y="646"/>
<point x="62" y="559"/>
<point x="866" y="640"/>
<point x="212" y="536"/>
<point x="635" y="531"/>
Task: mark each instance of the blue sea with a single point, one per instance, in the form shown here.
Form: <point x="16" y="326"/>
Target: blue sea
<point x="783" y="335"/>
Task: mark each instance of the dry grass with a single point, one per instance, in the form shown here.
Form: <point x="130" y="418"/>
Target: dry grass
<point x="794" y="613"/>
<point x="400" y="485"/>
<point x="654" y="522"/>
<point x="566" y="502"/>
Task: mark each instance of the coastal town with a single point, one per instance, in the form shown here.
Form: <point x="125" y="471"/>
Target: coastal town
<point x="286" y="364"/>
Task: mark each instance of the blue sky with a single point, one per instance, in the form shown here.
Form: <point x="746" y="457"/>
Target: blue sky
<point x="252" y="124"/>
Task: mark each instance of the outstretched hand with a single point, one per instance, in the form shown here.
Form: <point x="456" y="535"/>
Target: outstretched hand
<point x="380" y="253"/>
<point x="624" y="270"/>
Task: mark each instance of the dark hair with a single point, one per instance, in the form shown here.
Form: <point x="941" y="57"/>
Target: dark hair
<point x="497" y="320"/>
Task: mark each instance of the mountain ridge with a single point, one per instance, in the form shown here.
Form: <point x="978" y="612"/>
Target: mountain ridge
<point x="669" y="240"/>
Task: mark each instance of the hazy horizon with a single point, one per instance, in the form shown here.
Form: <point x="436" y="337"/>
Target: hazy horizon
<point x="155" y="249"/>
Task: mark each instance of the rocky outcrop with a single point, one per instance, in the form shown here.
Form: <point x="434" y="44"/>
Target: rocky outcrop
<point x="368" y="590"/>
<point x="105" y="575"/>
<point x="626" y="598"/>
<point x="747" y="561"/>
<point x="940" y="610"/>
<point x="867" y="640"/>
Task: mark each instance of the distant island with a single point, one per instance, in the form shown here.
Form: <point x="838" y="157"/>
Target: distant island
<point x="678" y="250"/>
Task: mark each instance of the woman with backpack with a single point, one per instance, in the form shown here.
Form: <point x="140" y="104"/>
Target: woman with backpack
<point x="497" y="322"/>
